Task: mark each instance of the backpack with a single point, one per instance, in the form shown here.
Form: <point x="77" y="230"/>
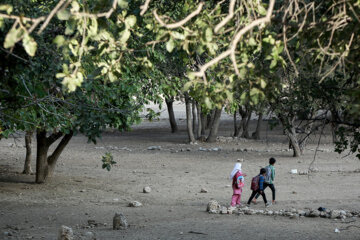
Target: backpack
<point x="268" y="174"/>
<point x="255" y="183"/>
<point x="238" y="182"/>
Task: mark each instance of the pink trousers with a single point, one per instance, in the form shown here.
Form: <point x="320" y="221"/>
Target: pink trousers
<point x="235" y="199"/>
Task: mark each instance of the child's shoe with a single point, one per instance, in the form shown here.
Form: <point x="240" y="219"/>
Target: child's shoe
<point x="268" y="204"/>
<point x="254" y="201"/>
<point x="248" y="204"/>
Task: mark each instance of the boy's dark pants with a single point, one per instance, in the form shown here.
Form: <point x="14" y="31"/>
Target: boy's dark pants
<point x="257" y="192"/>
<point x="271" y="186"/>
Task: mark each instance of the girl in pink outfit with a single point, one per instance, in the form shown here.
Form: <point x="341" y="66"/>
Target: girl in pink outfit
<point x="238" y="183"/>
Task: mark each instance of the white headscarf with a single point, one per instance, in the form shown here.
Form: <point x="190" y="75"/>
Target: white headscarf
<point x="237" y="168"/>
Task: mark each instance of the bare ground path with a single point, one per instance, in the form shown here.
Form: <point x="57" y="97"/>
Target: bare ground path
<point x="174" y="209"/>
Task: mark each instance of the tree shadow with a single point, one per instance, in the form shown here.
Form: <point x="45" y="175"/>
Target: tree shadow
<point x="10" y="176"/>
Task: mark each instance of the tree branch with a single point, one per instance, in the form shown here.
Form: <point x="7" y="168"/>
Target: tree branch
<point x="227" y="18"/>
<point x="180" y="23"/>
<point x="238" y="36"/>
<point x="144" y="7"/>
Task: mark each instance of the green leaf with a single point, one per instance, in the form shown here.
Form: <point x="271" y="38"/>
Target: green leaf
<point x="262" y="10"/>
<point x="123" y="4"/>
<point x="12" y="37"/>
<point x="59" y="40"/>
<point x="252" y="42"/>
<point x="6" y="7"/>
<point x="208" y="35"/>
<point x="125" y="35"/>
<point x="63" y="14"/>
<point x="130" y="21"/>
<point x="187" y="86"/>
<point x="208" y="103"/>
<point x="178" y="35"/>
<point x="75" y="7"/>
<point x="262" y="83"/>
<point x="93" y="27"/>
<point x="273" y="64"/>
<point x="112" y="77"/>
<point x="30" y="45"/>
<point x="170" y="45"/>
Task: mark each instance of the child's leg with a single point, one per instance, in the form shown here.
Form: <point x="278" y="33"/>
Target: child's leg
<point x="234" y="199"/>
<point x="238" y="199"/>
<point x="272" y="187"/>
<point x="252" y="196"/>
<point x="258" y="194"/>
<point x="264" y="196"/>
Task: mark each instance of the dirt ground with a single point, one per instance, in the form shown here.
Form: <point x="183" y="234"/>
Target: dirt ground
<point x="175" y="209"/>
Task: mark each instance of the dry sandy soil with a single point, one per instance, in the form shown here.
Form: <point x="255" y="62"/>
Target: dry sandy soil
<point x="175" y="209"/>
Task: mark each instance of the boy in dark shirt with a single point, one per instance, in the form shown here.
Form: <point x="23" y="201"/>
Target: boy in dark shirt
<point x="260" y="190"/>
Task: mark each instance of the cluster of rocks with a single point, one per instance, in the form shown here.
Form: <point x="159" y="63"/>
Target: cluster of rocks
<point x="154" y="148"/>
<point x="215" y="149"/>
<point x="172" y="150"/>
<point x="223" y="139"/>
<point x="114" y="148"/>
<point x="215" y="208"/>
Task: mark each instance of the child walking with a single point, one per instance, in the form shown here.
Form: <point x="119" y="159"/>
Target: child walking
<point x="269" y="179"/>
<point x="238" y="183"/>
<point x="259" y="188"/>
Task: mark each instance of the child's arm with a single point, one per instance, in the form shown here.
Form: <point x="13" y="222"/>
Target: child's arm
<point x="272" y="174"/>
<point x="261" y="183"/>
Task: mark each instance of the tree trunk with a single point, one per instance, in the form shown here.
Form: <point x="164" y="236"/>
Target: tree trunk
<point x="215" y="126"/>
<point x="291" y="133"/>
<point x="193" y="106"/>
<point x="41" y="156"/>
<point x="28" y="144"/>
<point x="245" y="133"/>
<point x="256" y="134"/>
<point x="199" y="129"/>
<point x="52" y="159"/>
<point x="210" y="119"/>
<point x="173" y="124"/>
<point x="334" y="125"/>
<point x="308" y="130"/>
<point x="203" y="126"/>
<point x="45" y="165"/>
<point x="188" y="119"/>
<point x="288" y="125"/>
<point x="236" y="129"/>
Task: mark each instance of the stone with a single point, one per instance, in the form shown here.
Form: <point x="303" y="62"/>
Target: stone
<point x="294" y="216"/>
<point x="202" y="149"/>
<point x="314" y="213"/>
<point x="154" y="148"/>
<point x="213" y="205"/>
<point x="135" y="204"/>
<point x="90" y="236"/>
<point x="334" y="214"/>
<point x="240" y="160"/>
<point x="147" y="189"/>
<point x="303" y="173"/>
<point x="270" y="213"/>
<point x="249" y="212"/>
<point x="314" y="169"/>
<point x="342" y="213"/>
<point x="119" y="222"/>
<point x="223" y="210"/>
<point x="203" y="190"/>
<point x="301" y="212"/>
<point x="65" y="233"/>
